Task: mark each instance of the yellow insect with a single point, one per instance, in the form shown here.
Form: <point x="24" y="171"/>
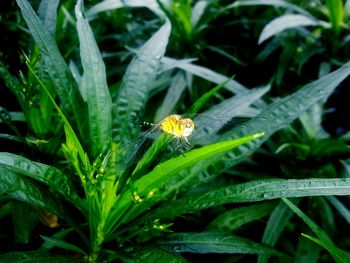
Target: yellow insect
<point x="177" y="126"/>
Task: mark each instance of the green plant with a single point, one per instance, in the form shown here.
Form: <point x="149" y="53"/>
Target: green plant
<point x="112" y="209"/>
<point x="304" y="35"/>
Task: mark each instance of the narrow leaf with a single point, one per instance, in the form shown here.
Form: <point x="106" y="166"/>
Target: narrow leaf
<point x="307" y="251"/>
<point x="235" y="218"/>
<point x="341" y="208"/>
<point x="62" y="244"/>
<point x="212" y="120"/>
<point x="316" y="229"/>
<point x="158" y="255"/>
<point x="273" y="3"/>
<point x="47" y="13"/>
<point x="339" y="255"/>
<point x="177" y="87"/>
<point x="253" y="191"/>
<point x="336" y="14"/>
<point x="285" y="22"/>
<point x="56" y="66"/>
<point x="205" y="97"/>
<point x="138" y="78"/>
<point x="279" y="115"/>
<point x="197" y="12"/>
<point x="93" y="86"/>
<point x="205" y="73"/>
<point x="24" y="220"/>
<point x="162" y="174"/>
<point x="212" y="242"/>
<point x="108" y="5"/>
<point x="275" y="226"/>
<point x="36" y="256"/>
<point x="166" y="170"/>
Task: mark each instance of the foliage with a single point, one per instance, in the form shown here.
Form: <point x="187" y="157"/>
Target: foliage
<point x="80" y="181"/>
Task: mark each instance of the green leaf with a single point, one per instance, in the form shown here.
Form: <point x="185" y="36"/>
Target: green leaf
<point x="160" y="176"/>
<point x="173" y="95"/>
<point x="212" y="120"/>
<point x="47" y="245"/>
<point x="285" y="22"/>
<point x="93" y="86"/>
<point x="338" y="254"/>
<point x="47" y="13"/>
<point x="341" y="208"/>
<point x="307" y="251"/>
<point x="316" y="229"/>
<point x="235" y="218"/>
<point x="253" y="191"/>
<point x="336" y="14"/>
<point x="56" y="66"/>
<point x="36" y="256"/>
<point x="198" y="12"/>
<point x="21" y="189"/>
<point x="157" y="181"/>
<point x="276" y="116"/>
<point x="226" y="54"/>
<point x="138" y="78"/>
<point x="274" y="3"/>
<point x="24" y="220"/>
<point x="46" y="174"/>
<point x="275" y="226"/>
<point x="108" y="5"/>
<point x="212" y="242"/>
<point x="205" y="73"/>
<point x="206" y="96"/>
<point x="157" y="255"/>
<point x="62" y="244"/>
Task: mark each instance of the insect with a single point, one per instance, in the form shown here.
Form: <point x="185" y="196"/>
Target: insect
<point x="184" y="132"/>
<point x="176" y="125"/>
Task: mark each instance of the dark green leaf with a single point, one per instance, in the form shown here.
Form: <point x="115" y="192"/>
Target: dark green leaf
<point x="307" y="251"/>
<point x="21" y="189"/>
<point x="235" y="218"/>
<point x="341" y="208"/>
<point x="56" y="66"/>
<point x="206" y="96"/>
<point x="166" y="170"/>
<point x="62" y="244"/>
<point x="36" y="256"/>
<point x="338" y="254"/>
<point x="275" y="226"/>
<point x="93" y="87"/>
<point x="211" y="242"/>
<point x="46" y="174"/>
<point x="138" y="78"/>
<point x="157" y="255"/>
<point x="24" y="220"/>
<point x="253" y="191"/>
<point x="278" y="115"/>
<point x="161" y="176"/>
